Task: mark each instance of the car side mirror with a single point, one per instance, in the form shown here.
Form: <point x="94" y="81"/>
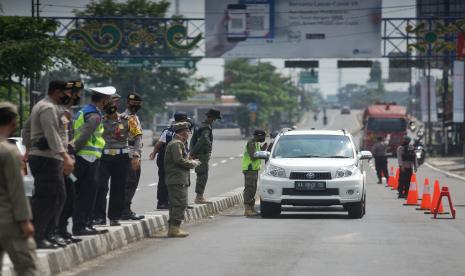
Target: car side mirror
<point x="262" y="154"/>
<point x="365" y="155"/>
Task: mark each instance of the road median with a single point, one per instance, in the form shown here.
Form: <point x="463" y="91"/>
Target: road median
<point x="53" y="262"/>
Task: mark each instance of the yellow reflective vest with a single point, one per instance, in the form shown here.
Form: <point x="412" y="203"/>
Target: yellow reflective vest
<point x="94" y="146"/>
<point x="246" y="160"/>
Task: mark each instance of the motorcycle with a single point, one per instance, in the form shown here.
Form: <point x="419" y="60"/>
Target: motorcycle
<point x="419" y="147"/>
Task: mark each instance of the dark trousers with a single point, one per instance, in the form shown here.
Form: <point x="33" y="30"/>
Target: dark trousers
<point x="68" y="206"/>
<point x="381" y="166"/>
<point x="49" y="194"/>
<point x="114" y="167"/>
<point x="162" y="189"/>
<point x="404" y="181"/>
<point x="87" y="174"/>
<point x="132" y="181"/>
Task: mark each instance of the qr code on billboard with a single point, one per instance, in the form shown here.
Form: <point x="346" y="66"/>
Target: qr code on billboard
<point x="237" y="23"/>
<point x="256" y="23"/>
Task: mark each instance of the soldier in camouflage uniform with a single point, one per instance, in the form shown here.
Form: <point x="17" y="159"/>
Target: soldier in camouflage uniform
<point x="250" y="168"/>
<point x="201" y="148"/>
<point x="177" y="174"/>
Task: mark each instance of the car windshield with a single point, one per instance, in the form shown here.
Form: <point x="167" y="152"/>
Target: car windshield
<point x="386" y="124"/>
<point x="313" y="146"/>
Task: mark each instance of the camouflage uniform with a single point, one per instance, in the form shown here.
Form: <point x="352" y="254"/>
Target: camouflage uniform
<point x="202" y="150"/>
<point x="14" y="208"/>
<point x="177" y="174"/>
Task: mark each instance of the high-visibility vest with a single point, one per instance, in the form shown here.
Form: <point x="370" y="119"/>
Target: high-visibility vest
<point x="246" y="161"/>
<point x="94" y="146"/>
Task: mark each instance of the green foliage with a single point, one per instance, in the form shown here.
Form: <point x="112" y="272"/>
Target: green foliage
<point x="274" y="94"/>
<point x="156" y="85"/>
<point x="27" y="47"/>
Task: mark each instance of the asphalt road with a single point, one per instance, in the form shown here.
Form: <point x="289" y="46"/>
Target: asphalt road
<point x="391" y="239"/>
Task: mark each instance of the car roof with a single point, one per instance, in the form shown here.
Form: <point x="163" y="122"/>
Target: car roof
<point x="315" y="132"/>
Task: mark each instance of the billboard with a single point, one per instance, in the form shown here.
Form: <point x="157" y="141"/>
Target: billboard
<point x="293" y="28"/>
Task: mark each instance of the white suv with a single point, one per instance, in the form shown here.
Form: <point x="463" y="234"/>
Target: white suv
<point x="313" y="168"/>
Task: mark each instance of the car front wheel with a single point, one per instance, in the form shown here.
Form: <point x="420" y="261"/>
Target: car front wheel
<point x="269" y="209"/>
<point x="357" y="210"/>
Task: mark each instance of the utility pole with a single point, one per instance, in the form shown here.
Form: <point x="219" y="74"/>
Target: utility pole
<point x="445" y="79"/>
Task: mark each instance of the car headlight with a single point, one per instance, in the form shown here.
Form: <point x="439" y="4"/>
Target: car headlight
<point x="346" y="171"/>
<point x="275" y="171"/>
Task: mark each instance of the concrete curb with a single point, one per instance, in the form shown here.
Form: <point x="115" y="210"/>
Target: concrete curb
<point x="53" y="262"/>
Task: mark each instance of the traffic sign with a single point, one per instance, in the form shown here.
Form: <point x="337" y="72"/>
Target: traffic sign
<point x="252" y="107"/>
<point x="178" y="63"/>
<point x="308" y="77"/>
<point x="132" y="62"/>
<point x="301" y="63"/>
<point x="354" y="63"/>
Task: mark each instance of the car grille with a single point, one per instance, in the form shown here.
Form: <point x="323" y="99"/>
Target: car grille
<point x="294" y="192"/>
<point x="306" y="176"/>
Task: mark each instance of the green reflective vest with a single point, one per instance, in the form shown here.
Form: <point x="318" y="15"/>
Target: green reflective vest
<point x="246" y="161"/>
<point x="94" y="146"/>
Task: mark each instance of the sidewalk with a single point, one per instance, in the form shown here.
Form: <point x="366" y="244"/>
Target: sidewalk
<point x="452" y="165"/>
<point x="52" y="262"/>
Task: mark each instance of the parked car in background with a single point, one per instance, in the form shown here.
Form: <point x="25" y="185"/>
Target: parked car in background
<point x="27" y="176"/>
<point x="156" y="132"/>
<point x="345" y="109"/>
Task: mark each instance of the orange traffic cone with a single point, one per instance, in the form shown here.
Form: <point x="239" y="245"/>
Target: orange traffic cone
<point x="426" y="198"/>
<point x="390" y="181"/>
<point x="436" y="197"/>
<point x="396" y="180"/>
<point x="412" y="198"/>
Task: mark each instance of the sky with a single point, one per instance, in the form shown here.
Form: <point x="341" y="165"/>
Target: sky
<point x="212" y="69"/>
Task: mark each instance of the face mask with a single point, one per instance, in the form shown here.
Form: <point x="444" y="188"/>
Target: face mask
<point x="65" y="99"/>
<point x="134" y="108"/>
<point x="110" y="108"/>
<point x="77" y="100"/>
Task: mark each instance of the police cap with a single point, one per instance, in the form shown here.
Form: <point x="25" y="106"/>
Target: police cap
<point x="214" y="113"/>
<point x="134" y="96"/>
<point x="180" y="115"/>
<point x="106" y="90"/>
<point x="259" y="132"/>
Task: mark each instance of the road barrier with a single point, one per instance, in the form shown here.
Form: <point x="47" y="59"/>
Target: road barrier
<point x="444" y="192"/>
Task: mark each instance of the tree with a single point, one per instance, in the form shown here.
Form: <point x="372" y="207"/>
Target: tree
<point x="156" y="85"/>
<point x="27" y="47"/>
<point x="274" y="95"/>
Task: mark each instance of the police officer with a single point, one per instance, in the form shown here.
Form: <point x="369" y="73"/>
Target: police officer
<point x="49" y="160"/>
<point x="201" y="148"/>
<point x="135" y="148"/>
<point x="88" y="144"/>
<point x="177" y="168"/>
<point x="250" y="168"/>
<point x="407" y="164"/>
<point x="159" y="151"/>
<point x="114" y="165"/>
<point x="66" y="116"/>
<point x="16" y="229"/>
<point x="381" y="162"/>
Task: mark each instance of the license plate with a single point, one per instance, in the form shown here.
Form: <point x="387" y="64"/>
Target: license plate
<point x="310" y="185"/>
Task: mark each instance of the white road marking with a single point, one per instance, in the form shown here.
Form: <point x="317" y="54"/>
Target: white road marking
<point x="214" y="164"/>
<point x="231" y="158"/>
<point x="153" y="184"/>
<point x="224" y="161"/>
<point x="240" y="155"/>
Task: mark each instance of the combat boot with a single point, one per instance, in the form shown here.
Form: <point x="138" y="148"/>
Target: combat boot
<point x="249" y="212"/>
<point x="176" y="232"/>
<point x="199" y="199"/>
